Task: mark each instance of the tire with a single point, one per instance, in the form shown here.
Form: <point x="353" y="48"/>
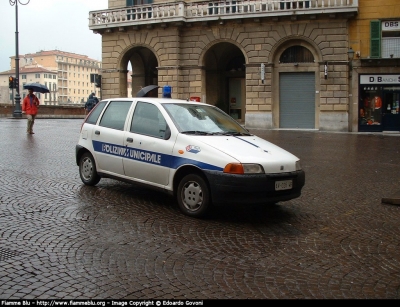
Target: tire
<point x="193" y="196"/>
<point x="87" y="169"/>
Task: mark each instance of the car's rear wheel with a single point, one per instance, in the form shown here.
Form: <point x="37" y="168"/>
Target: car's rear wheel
<point x="87" y="170"/>
<point x="193" y="196"/>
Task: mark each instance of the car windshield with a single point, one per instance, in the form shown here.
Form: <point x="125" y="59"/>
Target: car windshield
<point x="203" y="120"/>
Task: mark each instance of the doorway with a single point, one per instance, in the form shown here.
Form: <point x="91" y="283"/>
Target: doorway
<point x="297" y="100"/>
<point x="237" y="98"/>
<point x="390" y="110"/>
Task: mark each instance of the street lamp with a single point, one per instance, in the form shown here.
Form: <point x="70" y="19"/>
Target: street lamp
<point x="350" y="54"/>
<point x="17" y="110"/>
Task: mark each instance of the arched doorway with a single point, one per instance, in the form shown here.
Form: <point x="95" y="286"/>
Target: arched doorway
<point x="225" y="79"/>
<point x="139" y="65"/>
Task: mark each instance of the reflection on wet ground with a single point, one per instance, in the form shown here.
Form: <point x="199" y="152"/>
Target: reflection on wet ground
<point x="61" y="239"/>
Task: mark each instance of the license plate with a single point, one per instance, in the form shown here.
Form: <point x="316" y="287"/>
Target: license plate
<point x="283" y="185"/>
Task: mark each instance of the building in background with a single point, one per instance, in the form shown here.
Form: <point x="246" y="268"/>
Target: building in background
<point x="129" y="85"/>
<point x="72" y="84"/>
<point x="30" y="74"/>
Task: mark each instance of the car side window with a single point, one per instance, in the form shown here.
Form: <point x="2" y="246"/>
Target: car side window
<point x="115" y="115"/>
<point x="148" y="120"/>
<point x="94" y="115"/>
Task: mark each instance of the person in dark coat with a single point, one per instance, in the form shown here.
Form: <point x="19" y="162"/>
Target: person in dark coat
<point x="90" y="103"/>
<point x="96" y="100"/>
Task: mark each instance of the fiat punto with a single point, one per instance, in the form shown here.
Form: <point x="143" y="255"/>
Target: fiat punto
<point x="190" y="150"/>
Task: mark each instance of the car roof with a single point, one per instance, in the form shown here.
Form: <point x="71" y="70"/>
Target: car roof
<point x="158" y="101"/>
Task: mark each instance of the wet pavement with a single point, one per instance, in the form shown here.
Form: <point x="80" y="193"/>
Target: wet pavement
<point x="61" y="239"/>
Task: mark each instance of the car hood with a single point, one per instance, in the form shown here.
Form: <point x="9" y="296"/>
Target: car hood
<point x="253" y="149"/>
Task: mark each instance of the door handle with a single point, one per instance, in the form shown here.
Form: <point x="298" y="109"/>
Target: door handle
<point x="97" y="132"/>
<point x="130" y="140"/>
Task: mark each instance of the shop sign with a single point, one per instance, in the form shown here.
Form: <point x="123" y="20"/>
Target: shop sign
<point x="380" y="79"/>
<point x="391" y="25"/>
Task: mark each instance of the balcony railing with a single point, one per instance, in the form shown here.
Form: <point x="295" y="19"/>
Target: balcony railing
<point x="214" y="10"/>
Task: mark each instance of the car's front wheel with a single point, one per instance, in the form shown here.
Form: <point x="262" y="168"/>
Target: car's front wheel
<point x="193" y="196"/>
<point x="87" y="170"/>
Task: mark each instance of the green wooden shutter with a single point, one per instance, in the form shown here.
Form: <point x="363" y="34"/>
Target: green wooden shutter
<point x="375" y="45"/>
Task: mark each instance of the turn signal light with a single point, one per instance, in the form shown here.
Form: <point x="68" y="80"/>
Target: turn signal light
<point x="247" y="168"/>
<point x="234" y="168"/>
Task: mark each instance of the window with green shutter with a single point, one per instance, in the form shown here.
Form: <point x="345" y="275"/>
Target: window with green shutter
<point x="375" y="45"/>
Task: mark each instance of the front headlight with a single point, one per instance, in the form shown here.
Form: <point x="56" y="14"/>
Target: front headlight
<point x="298" y="165"/>
<point x="238" y="168"/>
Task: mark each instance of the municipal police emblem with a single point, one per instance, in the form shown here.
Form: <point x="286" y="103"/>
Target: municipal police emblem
<point x="193" y="149"/>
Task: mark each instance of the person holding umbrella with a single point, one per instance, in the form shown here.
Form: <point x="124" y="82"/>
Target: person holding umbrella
<point x="30" y="107"/>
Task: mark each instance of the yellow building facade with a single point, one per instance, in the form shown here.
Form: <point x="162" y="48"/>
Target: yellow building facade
<point x="374" y="92"/>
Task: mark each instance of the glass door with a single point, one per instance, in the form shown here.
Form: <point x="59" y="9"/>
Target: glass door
<point x="390" y="110"/>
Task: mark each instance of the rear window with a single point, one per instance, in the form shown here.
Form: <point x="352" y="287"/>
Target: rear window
<point x="115" y="115"/>
<point x="94" y="115"/>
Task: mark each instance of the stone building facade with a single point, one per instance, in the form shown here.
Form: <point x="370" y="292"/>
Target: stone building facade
<point x="270" y="64"/>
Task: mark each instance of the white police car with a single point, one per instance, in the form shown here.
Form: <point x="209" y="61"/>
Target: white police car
<point x="191" y="150"/>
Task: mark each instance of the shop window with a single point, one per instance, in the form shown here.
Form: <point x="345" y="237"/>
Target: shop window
<point x="296" y="54"/>
<point x="371" y="105"/>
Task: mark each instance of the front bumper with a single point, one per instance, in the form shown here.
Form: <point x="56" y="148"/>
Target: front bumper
<point x="252" y="189"/>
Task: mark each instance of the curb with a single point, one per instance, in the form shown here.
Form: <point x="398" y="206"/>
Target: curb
<point x="393" y="200"/>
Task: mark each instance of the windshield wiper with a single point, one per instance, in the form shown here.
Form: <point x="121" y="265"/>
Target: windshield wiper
<point x="195" y="132"/>
<point x="232" y="133"/>
<point x="243" y="134"/>
<point x="226" y="133"/>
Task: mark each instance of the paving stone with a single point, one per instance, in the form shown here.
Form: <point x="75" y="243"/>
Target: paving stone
<point x="115" y="240"/>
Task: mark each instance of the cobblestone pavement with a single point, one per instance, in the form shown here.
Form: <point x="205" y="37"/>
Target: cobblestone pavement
<point x="61" y="239"/>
